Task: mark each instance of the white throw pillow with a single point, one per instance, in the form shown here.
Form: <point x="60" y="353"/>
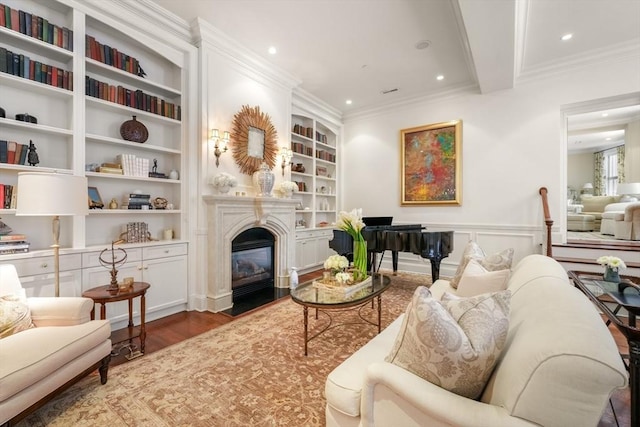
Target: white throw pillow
<point x="498" y="261"/>
<point x="455" y="343"/>
<point x="478" y="280"/>
<point x="15" y="315"/>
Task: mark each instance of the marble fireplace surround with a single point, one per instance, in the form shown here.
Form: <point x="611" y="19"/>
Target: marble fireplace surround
<point x="228" y="216"/>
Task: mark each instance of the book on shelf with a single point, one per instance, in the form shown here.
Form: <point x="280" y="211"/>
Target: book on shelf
<point x="17" y="244"/>
<point x="13" y="251"/>
<point x="12" y="237"/>
<point x="105" y="169"/>
<point x="8" y="196"/>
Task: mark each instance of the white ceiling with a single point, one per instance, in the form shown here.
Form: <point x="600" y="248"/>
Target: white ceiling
<point x="356" y="49"/>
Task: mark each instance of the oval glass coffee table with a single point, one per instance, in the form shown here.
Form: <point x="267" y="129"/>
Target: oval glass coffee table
<point x="325" y="300"/>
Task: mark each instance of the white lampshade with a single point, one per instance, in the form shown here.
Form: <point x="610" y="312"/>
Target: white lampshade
<point x="628" y="191"/>
<point x="50" y="194"/>
<point x="588" y="186"/>
<point x="629" y="188"/>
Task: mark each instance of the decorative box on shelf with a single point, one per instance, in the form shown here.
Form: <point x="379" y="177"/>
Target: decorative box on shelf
<point x="336" y="288"/>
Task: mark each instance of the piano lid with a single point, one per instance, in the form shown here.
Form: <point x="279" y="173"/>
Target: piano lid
<point x="372" y="221"/>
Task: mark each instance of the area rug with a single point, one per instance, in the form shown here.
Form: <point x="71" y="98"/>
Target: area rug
<point x="249" y="372"/>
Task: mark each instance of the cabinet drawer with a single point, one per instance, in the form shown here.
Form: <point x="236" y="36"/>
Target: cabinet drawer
<point x="164" y="251"/>
<point x="91" y="259"/>
<point x="45" y="264"/>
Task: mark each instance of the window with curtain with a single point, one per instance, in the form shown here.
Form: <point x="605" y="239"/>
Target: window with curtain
<point x="610" y="172"/>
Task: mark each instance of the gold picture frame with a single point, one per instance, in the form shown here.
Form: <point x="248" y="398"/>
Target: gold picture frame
<point x="254" y="140"/>
<point x="95" y="201"/>
<point x="431" y="164"/>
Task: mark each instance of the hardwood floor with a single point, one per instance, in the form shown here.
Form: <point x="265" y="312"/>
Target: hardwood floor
<point x="181" y="326"/>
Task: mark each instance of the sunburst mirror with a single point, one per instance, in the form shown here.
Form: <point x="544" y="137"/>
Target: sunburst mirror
<point x="253" y="139"/>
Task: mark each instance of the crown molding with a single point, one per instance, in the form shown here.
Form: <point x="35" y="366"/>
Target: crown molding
<point x="314" y="105"/>
<point x="410" y="101"/>
<point x="619" y="52"/>
<point x="206" y="35"/>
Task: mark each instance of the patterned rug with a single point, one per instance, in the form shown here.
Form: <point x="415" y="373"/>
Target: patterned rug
<point x="249" y="372"/>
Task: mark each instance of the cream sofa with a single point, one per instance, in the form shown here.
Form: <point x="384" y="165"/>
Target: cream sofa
<point x="595" y="205"/>
<point x="627" y="225"/>
<point x="559" y="367"/>
<point x="64" y="346"/>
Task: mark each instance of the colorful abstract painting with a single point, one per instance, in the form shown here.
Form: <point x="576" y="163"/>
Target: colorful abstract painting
<point x="431" y="160"/>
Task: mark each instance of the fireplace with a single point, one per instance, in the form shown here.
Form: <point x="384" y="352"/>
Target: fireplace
<point x="227" y="218"/>
<point x="252" y="262"/>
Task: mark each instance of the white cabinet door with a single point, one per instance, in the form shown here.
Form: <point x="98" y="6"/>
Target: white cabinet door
<point x="168" y="280"/>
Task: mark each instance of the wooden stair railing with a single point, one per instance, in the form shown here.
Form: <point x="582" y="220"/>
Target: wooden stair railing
<point x="547" y="219"/>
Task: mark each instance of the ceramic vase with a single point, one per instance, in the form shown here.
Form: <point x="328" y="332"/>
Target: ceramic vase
<point x="263" y="180"/>
<point x="224" y="189"/>
<point x="293" y="278"/>
<point x="611" y="275"/>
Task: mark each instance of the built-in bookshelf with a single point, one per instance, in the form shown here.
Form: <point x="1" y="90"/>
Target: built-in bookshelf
<point x="314" y="170"/>
<point x="79" y="112"/>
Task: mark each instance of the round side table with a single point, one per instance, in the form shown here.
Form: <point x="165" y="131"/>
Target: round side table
<point x="102" y="295"/>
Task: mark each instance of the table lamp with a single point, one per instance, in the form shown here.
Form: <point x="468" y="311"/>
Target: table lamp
<point x="52" y="194"/>
<point x="629" y="191"/>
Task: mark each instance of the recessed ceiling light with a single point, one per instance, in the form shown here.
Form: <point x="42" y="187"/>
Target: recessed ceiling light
<point x="440" y="77"/>
<point x="607" y="139"/>
<point x="605" y="114"/>
<point x="273" y="50"/>
<point x="567" y="37"/>
<point x="423" y="44"/>
<point x="348" y="102"/>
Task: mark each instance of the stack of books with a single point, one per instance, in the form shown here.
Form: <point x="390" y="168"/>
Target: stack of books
<point x="137" y="201"/>
<point x="13" y="244"/>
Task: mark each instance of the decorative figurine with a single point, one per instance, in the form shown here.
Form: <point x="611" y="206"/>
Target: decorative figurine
<point x="32" y="156"/>
<point x="113" y="204"/>
<point x="154" y="169"/>
<point x="111" y="265"/>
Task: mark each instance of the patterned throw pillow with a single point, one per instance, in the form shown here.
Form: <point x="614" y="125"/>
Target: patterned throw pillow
<point x="455" y="343"/>
<point x="478" y="280"/>
<point x="15" y="316"/>
<point x="498" y="261"/>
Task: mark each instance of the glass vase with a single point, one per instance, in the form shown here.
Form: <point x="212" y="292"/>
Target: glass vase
<point x="360" y="258"/>
<point x="611" y="275"/>
<point x="263" y="180"/>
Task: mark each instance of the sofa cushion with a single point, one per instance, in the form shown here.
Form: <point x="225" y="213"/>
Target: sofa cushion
<point x="15" y="316"/>
<point x="454" y="343"/>
<point x="478" y="280"/>
<point x="343" y="387"/>
<point x="44" y="350"/>
<point x="498" y="261"/>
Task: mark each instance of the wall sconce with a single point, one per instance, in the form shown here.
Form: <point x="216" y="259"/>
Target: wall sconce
<point x="220" y="143"/>
<point x="287" y="155"/>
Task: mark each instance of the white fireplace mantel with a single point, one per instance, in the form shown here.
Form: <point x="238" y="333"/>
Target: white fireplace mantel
<point x="228" y="216"/>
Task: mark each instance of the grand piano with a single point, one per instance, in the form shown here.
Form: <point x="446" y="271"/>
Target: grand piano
<point x="381" y="236"/>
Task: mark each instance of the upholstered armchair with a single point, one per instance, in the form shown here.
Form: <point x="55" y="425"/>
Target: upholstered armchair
<point x="629" y="227"/>
<point x="45" y="344"/>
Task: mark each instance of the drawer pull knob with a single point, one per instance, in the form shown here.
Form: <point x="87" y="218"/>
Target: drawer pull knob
<point x="166" y="251"/>
<point x="146" y="267"/>
<point x="44" y="265"/>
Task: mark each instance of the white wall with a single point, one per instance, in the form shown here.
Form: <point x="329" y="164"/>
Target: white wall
<point x="579" y="170"/>
<point x="512" y="145"/>
<point x="632" y="152"/>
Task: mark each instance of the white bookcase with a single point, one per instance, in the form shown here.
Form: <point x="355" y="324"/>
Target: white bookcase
<point x="314" y="169"/>
<point x="75" y="130"/>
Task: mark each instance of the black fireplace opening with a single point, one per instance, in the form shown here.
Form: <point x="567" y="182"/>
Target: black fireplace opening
<point x="252" y="262"/>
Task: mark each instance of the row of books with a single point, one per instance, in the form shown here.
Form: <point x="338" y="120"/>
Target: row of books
<point x="13" y="244"/>
<point x="21" y="65"/>
<point x="13" y="153"/>
<point x="325" y="155"/>
<point x="132" y="98"/>
<point x="110" y="56"/>
<point x="8" y="196"/>
<point x="137" y="201"/>
<point x="302" y="130"/>
<point x="132" y="165"/>
<point x="300" y="148"/>
<point x="320" y="137"/>
<point x="302" y="186"/>
<point x="36" y="26"/>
